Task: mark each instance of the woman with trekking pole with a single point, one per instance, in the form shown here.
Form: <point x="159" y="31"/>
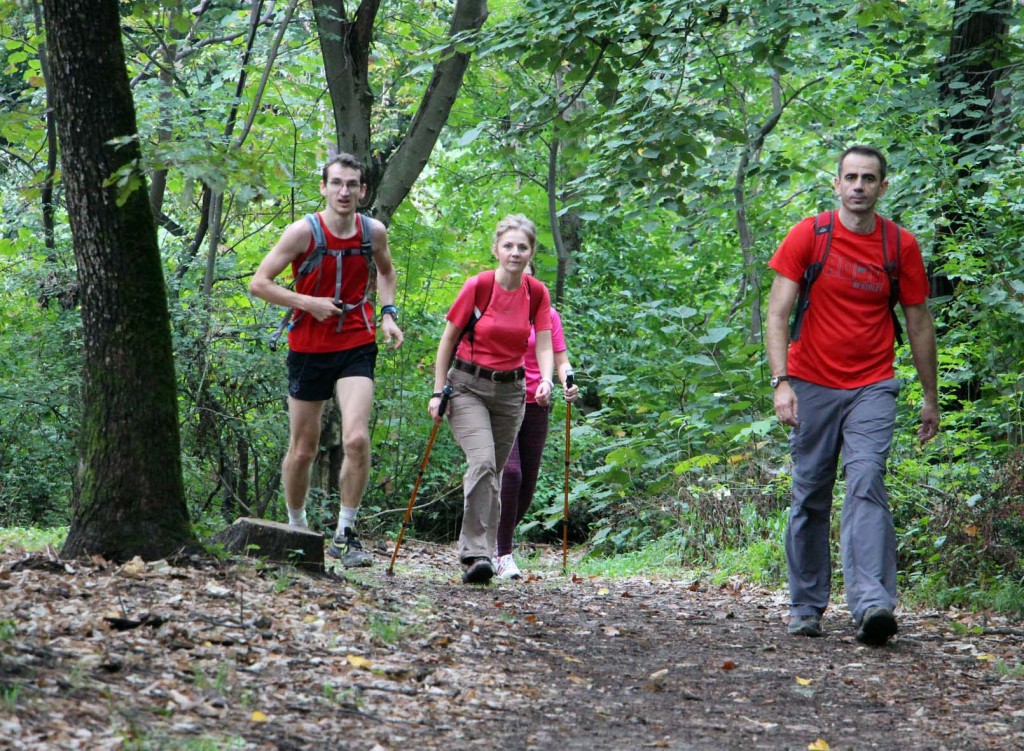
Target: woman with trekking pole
<point x="481" y="356"/>
<point x="519" y="478"/>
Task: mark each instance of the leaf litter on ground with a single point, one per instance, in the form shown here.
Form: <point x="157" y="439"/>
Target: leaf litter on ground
<point x="245" y="655"/>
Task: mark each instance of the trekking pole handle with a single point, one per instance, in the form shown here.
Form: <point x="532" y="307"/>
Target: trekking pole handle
<point x="570" y="379"/>
<point x="446" y="394"/>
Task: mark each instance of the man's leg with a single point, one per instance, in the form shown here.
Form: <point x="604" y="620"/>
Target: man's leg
<point x="814" y="444"/>
<point x="868" y="538"/>
<point x="303" y="444"/>
<point x="355" y="400"/>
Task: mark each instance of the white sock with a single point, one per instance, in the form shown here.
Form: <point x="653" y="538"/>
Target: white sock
<point x="347" y="518"/>
<point x="297" y="518"/>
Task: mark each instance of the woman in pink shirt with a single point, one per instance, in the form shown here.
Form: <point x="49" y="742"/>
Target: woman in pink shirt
<point x="519" y="478"/>
<point x="486" y="372"/>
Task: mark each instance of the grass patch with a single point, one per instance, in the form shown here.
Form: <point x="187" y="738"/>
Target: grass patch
<point x="660" y="558"/>
<point x="31" y="538"/>
<point x="997" y="594"/>
<point x="763" y="562"/>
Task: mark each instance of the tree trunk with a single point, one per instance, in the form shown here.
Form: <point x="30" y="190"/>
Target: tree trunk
<point x="345" y="44"/>
<point x="413" y="152"/>
<point x="977" y="50"/>
<point x="130" y="499"/>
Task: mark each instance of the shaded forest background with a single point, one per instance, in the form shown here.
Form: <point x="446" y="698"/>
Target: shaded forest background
<point x="664" y="149"/>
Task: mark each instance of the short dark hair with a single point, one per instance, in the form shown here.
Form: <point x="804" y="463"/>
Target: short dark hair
<point x="345" y="160"/>
<point x="883" y="166"/>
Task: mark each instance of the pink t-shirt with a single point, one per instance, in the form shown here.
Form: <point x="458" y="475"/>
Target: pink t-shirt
<point x="501" y="335"/>
<point x="532" y="367"/>
<point x="847" y="336"/>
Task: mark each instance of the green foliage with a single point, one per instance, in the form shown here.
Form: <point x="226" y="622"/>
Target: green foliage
<point x="660" y="116"/>
<point x="32" y="538"/>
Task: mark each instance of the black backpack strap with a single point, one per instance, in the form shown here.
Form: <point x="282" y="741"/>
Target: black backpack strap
<point x="823" y="240"/>
<point x="892" y="270"/>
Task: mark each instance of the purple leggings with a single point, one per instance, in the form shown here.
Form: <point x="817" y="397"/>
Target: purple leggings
<point x="519" y="479"/>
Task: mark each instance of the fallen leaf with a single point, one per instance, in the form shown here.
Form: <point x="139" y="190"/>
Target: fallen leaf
<point x="357" y="661"/>
<point x="135" y="567"/>
<point x="819" y="745"/>
<point x="803" y="681"/>
<point x="258" y="716"/>
<point x="602" y="591"/>
<point x="728" y="665"/>
<point x="656" y="680"/>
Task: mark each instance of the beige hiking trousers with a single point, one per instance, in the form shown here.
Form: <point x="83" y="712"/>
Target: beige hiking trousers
<point x="484" y="417"/>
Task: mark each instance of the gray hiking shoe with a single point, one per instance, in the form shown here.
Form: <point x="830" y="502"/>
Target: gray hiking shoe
<point x="347" y="547"/>
<point x="805" y="625"/>
<point x="876" y="626"/>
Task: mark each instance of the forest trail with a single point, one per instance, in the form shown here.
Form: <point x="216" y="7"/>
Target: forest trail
<point x="224" y="656"/>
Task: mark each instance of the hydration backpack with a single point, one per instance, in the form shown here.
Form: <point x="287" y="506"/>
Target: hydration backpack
<point x="823" y="224"/>
<point x="313" y="262"/>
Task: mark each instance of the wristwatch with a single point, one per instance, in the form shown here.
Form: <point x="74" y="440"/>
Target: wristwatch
<point x="776" y="380"/>
<point x="389" y="310"/>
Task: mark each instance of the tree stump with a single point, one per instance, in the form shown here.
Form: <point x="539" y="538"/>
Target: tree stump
<point x="273" y="541"/>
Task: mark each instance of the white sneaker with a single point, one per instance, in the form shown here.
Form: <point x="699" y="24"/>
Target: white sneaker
<point x="507" y="568"/>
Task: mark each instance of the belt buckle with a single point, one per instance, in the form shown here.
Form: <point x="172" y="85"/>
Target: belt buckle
<point x="496" y="376"/>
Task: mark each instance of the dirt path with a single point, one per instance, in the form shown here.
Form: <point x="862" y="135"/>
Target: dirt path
<point x="95" y="656"/>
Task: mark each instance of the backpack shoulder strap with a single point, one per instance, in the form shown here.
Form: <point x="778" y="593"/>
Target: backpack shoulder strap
<point x="482" y="296"/>
<point x="536" y="294"/>
<point x="823" y="224"/>
<point x="365" y="234"/>
<point x="483" y="286"/>
<point x="892" y="270"/>
<point x="319" y="246"/>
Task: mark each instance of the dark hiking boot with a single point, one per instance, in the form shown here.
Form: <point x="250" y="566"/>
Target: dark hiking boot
<point x="876" y="626"/>
<point x="479" y="571"/>
<point x="347" y="547"/>
<point x="805" y="625"/>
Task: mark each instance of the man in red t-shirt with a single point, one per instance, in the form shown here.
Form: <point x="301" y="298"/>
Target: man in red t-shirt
<point x="332" y="343"/>
<point x="835" y="386"/>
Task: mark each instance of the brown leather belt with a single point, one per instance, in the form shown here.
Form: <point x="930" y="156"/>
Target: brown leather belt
<point x="498" y="376"/>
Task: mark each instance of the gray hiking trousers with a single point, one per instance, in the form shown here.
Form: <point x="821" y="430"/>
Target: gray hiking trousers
<point x="858" y="424"/>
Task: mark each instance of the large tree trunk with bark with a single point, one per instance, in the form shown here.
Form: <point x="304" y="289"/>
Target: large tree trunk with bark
<point x="130" y="498"/>
<point x="345" y="44"/>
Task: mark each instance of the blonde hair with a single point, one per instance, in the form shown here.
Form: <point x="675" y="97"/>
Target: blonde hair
<point x="519" y="222"/>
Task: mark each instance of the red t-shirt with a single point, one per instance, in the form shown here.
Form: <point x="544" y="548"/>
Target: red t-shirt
<point x="310" y="335"/>
<point x="847" y="336"/>
<point x="501" y="334"/>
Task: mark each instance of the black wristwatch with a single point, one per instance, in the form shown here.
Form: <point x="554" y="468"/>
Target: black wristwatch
<point x="389" y="309"/>
<point x="776" y="380"/>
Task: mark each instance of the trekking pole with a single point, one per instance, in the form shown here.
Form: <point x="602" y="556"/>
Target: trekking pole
<point x="445" y="395"/>
<point x="565" y="509"/>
